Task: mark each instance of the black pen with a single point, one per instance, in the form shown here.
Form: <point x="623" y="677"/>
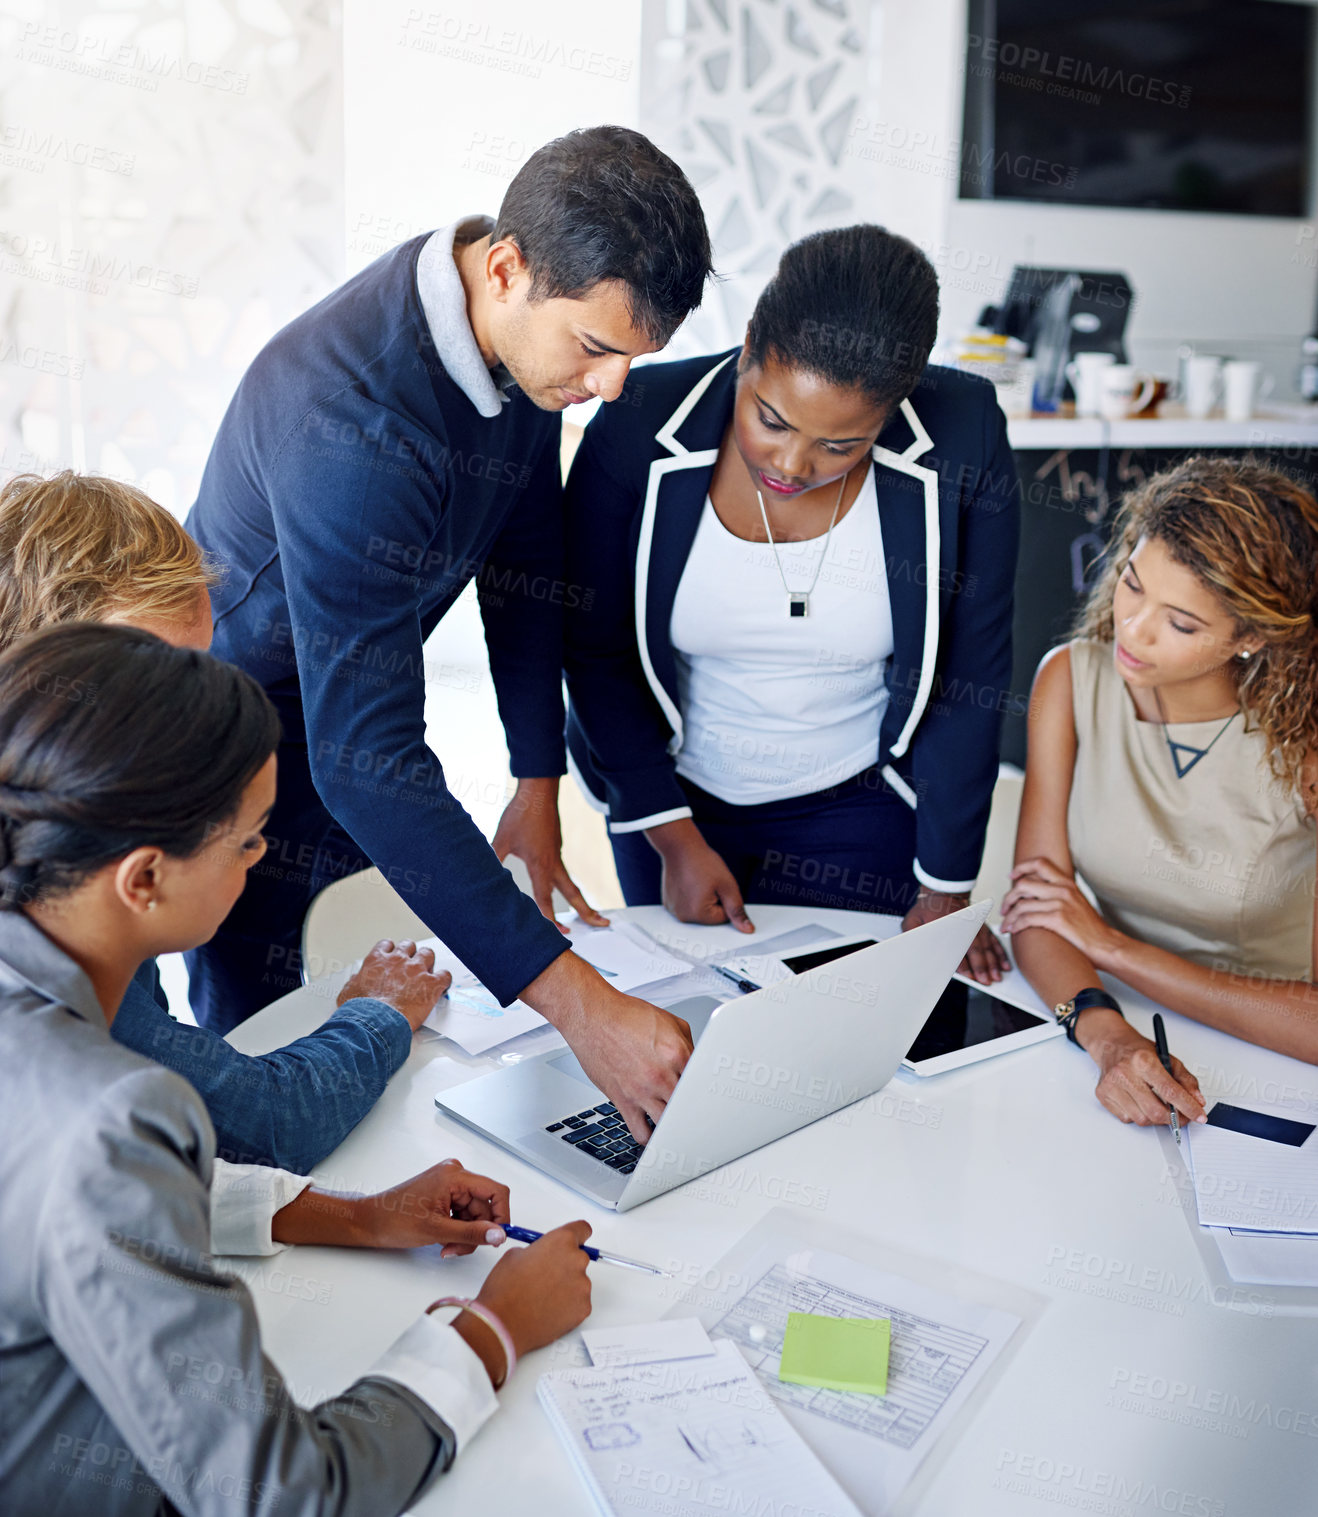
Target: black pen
<point x="747" y="987"/>
<point x="1165" y="1059"/>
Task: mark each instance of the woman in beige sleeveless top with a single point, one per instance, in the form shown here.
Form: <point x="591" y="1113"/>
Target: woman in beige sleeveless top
<point x="1172" y="767"/>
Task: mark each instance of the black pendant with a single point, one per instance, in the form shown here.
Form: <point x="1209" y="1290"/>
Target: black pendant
<point x="1177" y="749"/>
<point x="798" y="604"/>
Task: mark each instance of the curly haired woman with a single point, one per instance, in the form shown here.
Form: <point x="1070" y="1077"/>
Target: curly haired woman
<point x="1172" y="766"/>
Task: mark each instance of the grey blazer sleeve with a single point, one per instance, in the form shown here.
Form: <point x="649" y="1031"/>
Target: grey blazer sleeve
<point x="170" y="1348"/>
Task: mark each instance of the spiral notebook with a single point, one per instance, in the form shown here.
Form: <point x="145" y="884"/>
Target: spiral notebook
<point x="684" y="1438"/>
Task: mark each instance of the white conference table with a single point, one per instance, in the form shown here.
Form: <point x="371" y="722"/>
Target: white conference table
<point x="1143" y="1387"/>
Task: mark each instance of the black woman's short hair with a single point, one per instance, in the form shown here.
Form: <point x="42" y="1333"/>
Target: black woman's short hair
<point x="603" y="203"/>
<point x="857" y="306"/>
<point x="111" y="739"/>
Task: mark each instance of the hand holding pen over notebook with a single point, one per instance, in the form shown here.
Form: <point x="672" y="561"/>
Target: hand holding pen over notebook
<point x="527" y="1235"/>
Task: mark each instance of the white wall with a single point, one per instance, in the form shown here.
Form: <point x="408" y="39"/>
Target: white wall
<point x="441" y="108"/>
<point x="442" y="105"/>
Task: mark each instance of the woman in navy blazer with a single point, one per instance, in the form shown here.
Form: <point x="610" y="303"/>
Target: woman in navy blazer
<point x="828" y="406"/>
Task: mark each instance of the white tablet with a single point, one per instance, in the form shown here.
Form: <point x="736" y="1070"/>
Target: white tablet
<point x="970" y="1021"/>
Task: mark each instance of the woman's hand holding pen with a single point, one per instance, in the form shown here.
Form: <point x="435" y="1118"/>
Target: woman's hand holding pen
<point x="1132" y="1084"/>
<point x="697" y="885"/>
<point x="542" y="1291"/>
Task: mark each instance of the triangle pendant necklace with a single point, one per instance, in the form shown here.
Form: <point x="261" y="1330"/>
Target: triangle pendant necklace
<point x="1183" y="767"/>
<point x="1192" y="755"/>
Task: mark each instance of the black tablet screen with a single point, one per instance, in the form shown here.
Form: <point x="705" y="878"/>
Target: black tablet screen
<point x="966" y="1015"/>
<point x="802" y="963"/>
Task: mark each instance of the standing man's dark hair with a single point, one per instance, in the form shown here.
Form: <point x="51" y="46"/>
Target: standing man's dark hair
<point x="858" y="306"/>
<point x="603" y="203"/>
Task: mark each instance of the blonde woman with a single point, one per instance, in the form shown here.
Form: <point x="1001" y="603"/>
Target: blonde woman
<point x="83" y="548"/>
<point x="1171" y="765"/>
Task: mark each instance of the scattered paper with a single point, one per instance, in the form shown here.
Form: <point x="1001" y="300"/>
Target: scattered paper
<point x="469" y="1014"/>
<point x="836" y="1353"/>
<point x="647" y="1343"/>
<point x="941" y="1346"/>
<point x="685" y="1440"/>
<point x="1267" y="1258"/>
<point x="1249" y="1182"/>
<point x="625" y="955"/>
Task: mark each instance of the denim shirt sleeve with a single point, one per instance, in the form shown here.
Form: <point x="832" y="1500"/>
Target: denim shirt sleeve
<point x="288" y="1108"/>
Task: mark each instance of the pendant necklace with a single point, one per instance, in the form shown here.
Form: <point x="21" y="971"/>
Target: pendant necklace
<point x="798" y="601"/>
<point x="1184" y="765"/>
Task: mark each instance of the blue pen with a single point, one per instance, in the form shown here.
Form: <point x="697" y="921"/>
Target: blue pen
<point x="528" y="1235"/>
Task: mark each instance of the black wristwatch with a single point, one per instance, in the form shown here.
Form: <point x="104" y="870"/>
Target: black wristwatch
<point x="1068" y="1012"/>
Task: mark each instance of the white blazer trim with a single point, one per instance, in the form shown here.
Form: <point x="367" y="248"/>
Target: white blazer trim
<point x="657" y="820"/>
<point x="591" y="799"/>
<point x="947" y="887"/>
<point x="905" y="463"/>
<point x="923" y="442"/>
<point x="658" y="469"/>
<point x="683" y="458"/>
<point x="665" y="434"/>
<point x="897" y="783"/>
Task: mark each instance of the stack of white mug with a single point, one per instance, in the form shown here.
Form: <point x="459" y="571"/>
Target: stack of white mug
<point x="1208" y="379"/>
<point x="1104" y="387"/>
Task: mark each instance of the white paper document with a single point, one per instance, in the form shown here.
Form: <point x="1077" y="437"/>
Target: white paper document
<point x="473" y="1018"/>
<point x="684" y="1439"/>
<point x="647" y="1342"/>
<point x="941" y="1347"/>
<point x="1249" y="1182"/>
<point x="625" y="955"/>
<point x="470" y="1014"/>
<point x="1267" y="1258"/>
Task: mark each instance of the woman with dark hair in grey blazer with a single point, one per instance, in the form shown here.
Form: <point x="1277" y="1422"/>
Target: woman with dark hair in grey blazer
<point x="135" y="779"/>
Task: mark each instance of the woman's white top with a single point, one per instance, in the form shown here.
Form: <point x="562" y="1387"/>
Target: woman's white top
<point x="776" y="706"/>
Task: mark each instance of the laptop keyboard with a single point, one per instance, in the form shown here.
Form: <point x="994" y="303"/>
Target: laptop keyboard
<point x="600" y="1133"/>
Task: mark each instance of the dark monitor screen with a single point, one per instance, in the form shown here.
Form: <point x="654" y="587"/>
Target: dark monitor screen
<point x="1189" y="105"/>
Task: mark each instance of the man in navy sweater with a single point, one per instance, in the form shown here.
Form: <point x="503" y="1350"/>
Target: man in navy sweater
<point x="395" y="442"/>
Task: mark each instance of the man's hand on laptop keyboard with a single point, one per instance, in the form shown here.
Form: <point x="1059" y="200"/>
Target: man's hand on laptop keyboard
<point x="633" y="1051"/>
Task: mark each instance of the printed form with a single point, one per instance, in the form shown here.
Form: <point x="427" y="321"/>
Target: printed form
<point x="942" y="1346"/>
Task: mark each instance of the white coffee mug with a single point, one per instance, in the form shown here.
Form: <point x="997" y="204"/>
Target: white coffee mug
<point x="1015" y="395"/>
<point x="1203" y="382"/>
<point x="1085" y="371"/>
<point x="1241" y="390"/>
<point x="1123" y="390"/>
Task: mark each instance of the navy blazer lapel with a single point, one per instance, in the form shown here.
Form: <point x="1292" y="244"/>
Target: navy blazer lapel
<point x="677" y="517"/>
<point x="675" y="495"/>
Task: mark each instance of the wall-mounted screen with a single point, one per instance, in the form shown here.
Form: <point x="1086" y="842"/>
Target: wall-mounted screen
<point x="1181" y="105"/>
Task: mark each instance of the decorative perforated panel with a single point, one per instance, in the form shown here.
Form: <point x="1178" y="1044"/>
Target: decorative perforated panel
<point x="756" y="100"/>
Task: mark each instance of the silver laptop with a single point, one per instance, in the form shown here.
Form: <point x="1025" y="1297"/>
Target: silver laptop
<point x="764" y="1065"/>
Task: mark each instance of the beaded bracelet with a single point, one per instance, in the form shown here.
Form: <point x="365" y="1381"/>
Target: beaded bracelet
<point x="494" y="1325"/>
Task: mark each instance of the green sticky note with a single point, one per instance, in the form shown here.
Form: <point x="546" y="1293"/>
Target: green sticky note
<point x="837" y="1353"/>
